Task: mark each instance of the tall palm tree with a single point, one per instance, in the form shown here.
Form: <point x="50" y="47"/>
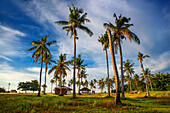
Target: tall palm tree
<point x="60" y="68"/>
<point x="52" y="82"/>
<point x="101" y="84"/>
<point x="136" y="80"/>
<point x="140" y="58"/>
<point x="121" y="31"/>
<point x="40" y="48"/>
<point x="47" y="60"/>
<point x="104" y="40"/>
<point x="76" y="19"/>
<point x="128" y="68"/>
<point x="111" y="43"/>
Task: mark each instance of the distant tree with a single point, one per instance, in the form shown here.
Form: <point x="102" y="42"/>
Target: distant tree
<point x="34" y="85"/>
<point x="111" y="82"/>
<point x="161" y="81"/>
<point x="140" y="58"/>
<point x="91" y="84"/>
<point x="60" y="68"/>
<point x="83" y="74"/>
<point x="101" y="84"/>
<point x="136" y="81"/>
<point x="2" y="90"/>
<point x="40" y="48"/>
<point x="95" y="81"/>
<point x="86" y="83"/>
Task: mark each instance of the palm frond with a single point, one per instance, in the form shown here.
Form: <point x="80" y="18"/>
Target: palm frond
<point x="87" y="30"/>
<point x="33" y="48"/>
<point x="62" y="22"/>
<point x="134" y="38"/>
<point x="52" y="42"/>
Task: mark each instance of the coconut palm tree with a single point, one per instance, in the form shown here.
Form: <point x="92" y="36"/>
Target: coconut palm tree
<point x="92" y="84"/>
<point x="128" y="68"/>
<point x="86" y="83"/>
<point x="104" y="40"/>
<point x="121" y="31"/>
<point x="84" y="75"/>
<point x="79" y="66"/>
<point x="52" y="82"/>
<point x="47" y="60"/>
<point x="40" y="48"/>
<point x="95" y="81"/>
<point x="76" y="19"/>
<point x="140" y="58"/>
<point x="136" y="80"/>
<point x="71" y="82"/>
<point x="101" y="84"/>
<point x="111" y="81"/>
<point x="148" y="76"/>
<point x="111" y="43"/>
<point x="60" y="68"/>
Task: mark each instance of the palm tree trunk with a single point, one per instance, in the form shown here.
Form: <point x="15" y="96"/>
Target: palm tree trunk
<point x="108" y="86"/>
<point x="79" y="81"/>
<point x="46" y="68"/>
<point x="51" y="87"/>
<point x="150" y="83"/>
<point x="121" y="68"/>
<point x="60" y="85"/>
<point x="144" y="77"/>
<point x="130" y="85"/>
<point x="117" y="98"/>
<point x="74" y="70"/>
<point x="39" y="91"/>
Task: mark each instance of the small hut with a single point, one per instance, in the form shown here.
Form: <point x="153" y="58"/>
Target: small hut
<point x="85" y="90"/>
<point x="64" y="90"/>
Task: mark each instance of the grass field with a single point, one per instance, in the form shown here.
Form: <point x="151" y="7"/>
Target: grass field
<point x="158" y="102"/>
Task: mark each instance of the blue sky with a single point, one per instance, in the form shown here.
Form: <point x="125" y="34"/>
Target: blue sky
<point x="23" y="21"/>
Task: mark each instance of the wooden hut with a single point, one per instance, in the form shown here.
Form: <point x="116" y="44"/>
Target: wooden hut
<point x="85" y="90"/>
<point x="64" y="90"/>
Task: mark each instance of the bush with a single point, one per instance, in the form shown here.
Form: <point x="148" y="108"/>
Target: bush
<point x="2" y="90"/>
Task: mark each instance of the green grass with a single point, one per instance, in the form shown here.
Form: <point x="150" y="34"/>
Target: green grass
<point x="30" y="103"/>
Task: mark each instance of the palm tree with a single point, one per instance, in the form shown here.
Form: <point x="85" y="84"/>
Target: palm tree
<point x="148" y="76"/>
<point x="121" y="29"/>
<point x="104" y="40"/>
<point x="101" y="84"/>
<point x="52" y="82"/>
<point x="76" y="19"/>
<point x="71" y="82"/>
<point x="47" y="60"/>
<point x="60" y="68"/>
<point x="86" y="83"/>
<point x="128" y="68"/>
<point x="95" y="81"/>
<point x="40" y="47"/>
<point x="140" y="58"/>
<point x="111" y="81"/>
<point x="136" y="80"/>
<point x="56" y="77"/>
<point x="111" y="43"/>
<point x="83" y="74"/>
<point x="79" y="66"/>
<point x="91" y="84"/>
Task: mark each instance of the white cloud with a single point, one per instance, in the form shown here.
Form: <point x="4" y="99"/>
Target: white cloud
<point x="4" y="57"/>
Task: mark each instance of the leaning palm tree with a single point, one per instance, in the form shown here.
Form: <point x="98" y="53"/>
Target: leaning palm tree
<point x="121" y="29"/>
<point x="101" y="84"/>
<point x="140" y="58"/>
<point x="40" y="48"/>
<point x="60" y="68"/>
<point x="52" y="82"/>
<point x="76" y="19"/>
<point x="128" y="68"/>
<point x="111" y="43"/>
<point x="104" y="40"/>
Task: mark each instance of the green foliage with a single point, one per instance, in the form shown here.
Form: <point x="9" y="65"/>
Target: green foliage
<point x="32" y="86"/>
<point x="2" y="89"/>
<point x="161" y="81"/>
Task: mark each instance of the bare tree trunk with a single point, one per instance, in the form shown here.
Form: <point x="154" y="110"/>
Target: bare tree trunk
<point x="121" y="68"/>
<point x="117" y="98"/>
<point x="39" y="91"/>
<point x="74" y="69"/>
<point x="144" y="77"/>
<point x="108" y="86"/>
<point x="130" y="85"/>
